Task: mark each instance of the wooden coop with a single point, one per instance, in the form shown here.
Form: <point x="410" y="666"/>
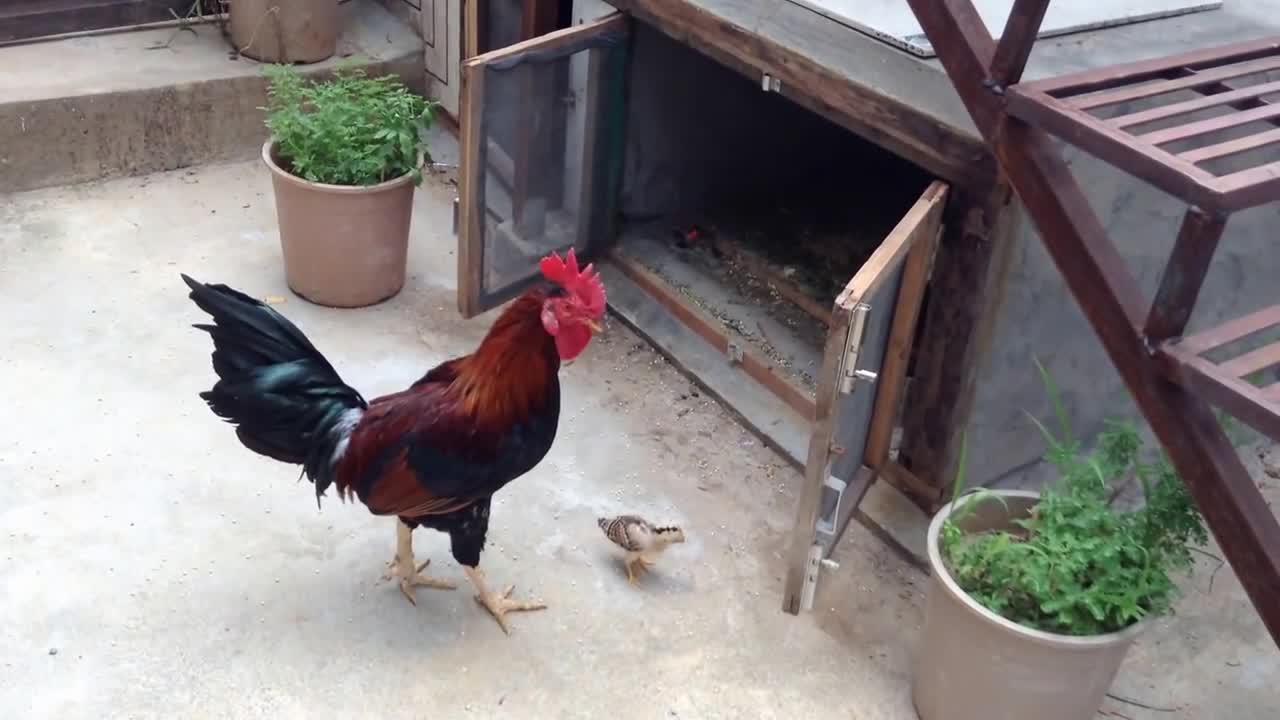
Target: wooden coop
<point x="789" y="199"/>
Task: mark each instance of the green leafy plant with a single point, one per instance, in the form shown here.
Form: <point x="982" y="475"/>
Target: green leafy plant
<point x="1077" y="565"/>
<point x="350" y="130"/>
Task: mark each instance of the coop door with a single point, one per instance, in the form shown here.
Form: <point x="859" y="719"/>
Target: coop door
<point x="541" y="135"/>
<point x="864" y="368"/>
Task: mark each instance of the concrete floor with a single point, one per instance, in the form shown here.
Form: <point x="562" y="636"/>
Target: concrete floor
<point x="152" y="567"/>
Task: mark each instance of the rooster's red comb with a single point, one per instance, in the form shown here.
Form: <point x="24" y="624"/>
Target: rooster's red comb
<point x="585" y="284"/>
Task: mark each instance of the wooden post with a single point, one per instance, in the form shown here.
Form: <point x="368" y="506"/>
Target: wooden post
<point x="968" y="283"/>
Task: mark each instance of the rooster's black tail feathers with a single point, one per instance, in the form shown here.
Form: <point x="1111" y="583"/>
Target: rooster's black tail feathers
<point x="286" y="400"/>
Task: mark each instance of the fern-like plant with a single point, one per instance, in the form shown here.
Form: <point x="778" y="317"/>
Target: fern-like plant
<point x="349" y="130"/>
<point x="1078" y="565"/>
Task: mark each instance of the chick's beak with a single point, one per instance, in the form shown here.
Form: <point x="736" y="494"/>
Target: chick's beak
<point x="595" y="326"/>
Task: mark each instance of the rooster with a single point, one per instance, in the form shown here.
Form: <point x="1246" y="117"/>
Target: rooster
<point x="431" y="455"/>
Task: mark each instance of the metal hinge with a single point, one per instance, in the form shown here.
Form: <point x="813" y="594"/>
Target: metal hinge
<point x="769" y="83"/>
<point x="849" y="372"/>
<point x="456" y="205"/>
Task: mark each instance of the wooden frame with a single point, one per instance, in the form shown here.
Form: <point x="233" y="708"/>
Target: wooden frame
<point x="908" y="248"/>
<point x="1062" y="106"/>
<point x="1097" y="275"/>
<point x="473" y="299"/>
<point x="942" y="150"/>
<point x="31" y="19"/>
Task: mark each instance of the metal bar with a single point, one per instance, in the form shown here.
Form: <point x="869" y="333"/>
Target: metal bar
<point x="1231" y="147"/>
<point x="1129" y="73"/>
<point x="1184" y="274"/>
<point x="1093" y="269"/>
<point x="1017" y="40"/>
<point x="1228" y="97"/>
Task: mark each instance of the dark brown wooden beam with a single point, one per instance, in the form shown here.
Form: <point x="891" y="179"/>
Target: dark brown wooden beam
<point x="1184" y="274"/>
<point x="1096" y="274"/>
<point x="1019" y="36"/>
<point x="968" y="283"/>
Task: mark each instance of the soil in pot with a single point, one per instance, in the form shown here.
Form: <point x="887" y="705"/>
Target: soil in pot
<point x="343" y="246"/>
<point x="285" y="31"/>
<point x="973" y="664"/>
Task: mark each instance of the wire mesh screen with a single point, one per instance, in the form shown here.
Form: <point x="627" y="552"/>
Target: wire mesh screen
<point x="551" y="152"/>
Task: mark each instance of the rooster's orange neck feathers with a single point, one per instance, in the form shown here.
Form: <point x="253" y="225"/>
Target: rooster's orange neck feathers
<point x="510" y="374"/>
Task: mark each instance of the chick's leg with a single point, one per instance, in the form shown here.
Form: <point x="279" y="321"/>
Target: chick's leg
<point x="498" y="604"/>
<point x="402" y="566"/>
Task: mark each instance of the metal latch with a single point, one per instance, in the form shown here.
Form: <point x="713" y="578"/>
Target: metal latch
<point x="849" y="373"/>
<point x="734" y="351"/>
<point x="827" y="525"/>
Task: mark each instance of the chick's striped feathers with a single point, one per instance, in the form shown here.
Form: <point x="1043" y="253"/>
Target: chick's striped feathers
<point x="635" y="534"/>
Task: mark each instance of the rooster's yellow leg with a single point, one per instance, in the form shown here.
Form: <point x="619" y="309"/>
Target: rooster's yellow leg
<point x="410" y="575"/>
<point x="498" y="604"/>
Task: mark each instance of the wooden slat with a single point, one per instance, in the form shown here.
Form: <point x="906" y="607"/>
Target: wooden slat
<point x="1253" y="361"/>
<point x="1129" y="73"/>
<point x="1237" y="397"/>
<point x="1096" y="274"/>
<point x="1138" y="92"/>
<point x="1017" y="40"/>
<point x="1231" y="147"/>
<point x="893" y="370"/>
<point x="785" y="287"/>
<point x="472" y="167"/>
<point x="1190" y="106"/>
<point x="1164" y="170"/>
<point x="1230" y="331"/>
<point x="896" y="244"/>
<point x="759" y="369"/>
<point x="1209" y="125"/>
<point x="1184" y="274"/>
<point x="1249" y="188"/>
<point x="552" y="40"/>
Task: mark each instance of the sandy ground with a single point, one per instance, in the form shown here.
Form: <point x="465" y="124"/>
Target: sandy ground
<point x="152" y="567"/>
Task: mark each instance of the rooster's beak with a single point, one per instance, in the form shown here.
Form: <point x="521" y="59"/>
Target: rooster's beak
<point x="595" y="326"/>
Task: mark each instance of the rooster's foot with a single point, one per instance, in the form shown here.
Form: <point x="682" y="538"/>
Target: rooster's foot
<point x="499" y="604"/>
<point x="411" y="577"/>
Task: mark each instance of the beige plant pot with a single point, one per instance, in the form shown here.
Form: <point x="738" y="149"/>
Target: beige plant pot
<point x="975" y="665"/>
<point x="343" y="246"/>
<point x="284" y="31"/>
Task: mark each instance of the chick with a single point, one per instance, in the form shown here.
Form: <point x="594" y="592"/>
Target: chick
<point x="642" y="541"/>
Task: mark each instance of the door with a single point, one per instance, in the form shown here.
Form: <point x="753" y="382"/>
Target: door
<point x="541" y="136"/>
<point x="864" y="367"/>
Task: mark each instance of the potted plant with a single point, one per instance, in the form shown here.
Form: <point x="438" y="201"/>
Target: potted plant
<point x="284" y="31"/>
<point x="345" y="155"/>
<point x="1035" y="599"/>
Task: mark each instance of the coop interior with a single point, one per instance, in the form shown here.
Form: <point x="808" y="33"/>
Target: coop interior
<point x="738" y="215"/>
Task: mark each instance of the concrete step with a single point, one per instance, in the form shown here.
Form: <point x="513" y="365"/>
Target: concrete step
<point x="84" y="108"/>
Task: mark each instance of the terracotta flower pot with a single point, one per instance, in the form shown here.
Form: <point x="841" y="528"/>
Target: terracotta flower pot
<point x="975" y="665"/>
<point x="344" y="246"/>
<point x="285" y="31"/>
